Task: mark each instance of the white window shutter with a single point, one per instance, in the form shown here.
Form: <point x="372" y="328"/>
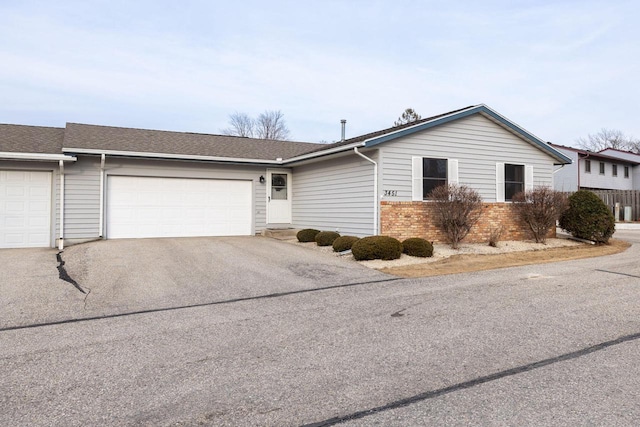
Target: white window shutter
<point x="499" y="182"/>
<point x="452" y="171"/>
<point x="416" y="178"/>
<point x="528" y="178"/>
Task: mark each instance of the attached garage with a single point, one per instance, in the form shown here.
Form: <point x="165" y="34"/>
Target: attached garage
<point x="25" y="209"/>
<point x="140" y="207"/>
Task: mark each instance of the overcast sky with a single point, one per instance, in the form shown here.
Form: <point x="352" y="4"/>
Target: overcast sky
<point x="560" y="69"/>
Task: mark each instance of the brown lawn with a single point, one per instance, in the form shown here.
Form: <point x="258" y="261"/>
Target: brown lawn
<point x="465" y="263"/>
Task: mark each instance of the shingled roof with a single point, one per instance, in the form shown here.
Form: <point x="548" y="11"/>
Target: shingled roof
<point x="30" y="139"/>
<point x="92" y="137"/>
<point x="595" y="154"/>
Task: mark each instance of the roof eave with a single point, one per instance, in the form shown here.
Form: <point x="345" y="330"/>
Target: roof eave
<point x="323" y="153"/>
<point x="142" y="154"/>
<point x="43" y="157"/>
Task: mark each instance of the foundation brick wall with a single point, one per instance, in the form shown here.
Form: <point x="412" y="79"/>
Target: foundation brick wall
<point x="414" y="219"/>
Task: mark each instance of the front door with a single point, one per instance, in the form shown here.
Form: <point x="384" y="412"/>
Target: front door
<point x="278" y="197"/>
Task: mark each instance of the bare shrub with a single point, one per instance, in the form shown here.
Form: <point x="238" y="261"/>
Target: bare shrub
<point x="540" y="208"/>
<point x="457" y="208"/>
<point x="494" y="236"/>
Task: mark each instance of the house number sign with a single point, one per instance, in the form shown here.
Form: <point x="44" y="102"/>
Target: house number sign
<point x="390" y="193"/>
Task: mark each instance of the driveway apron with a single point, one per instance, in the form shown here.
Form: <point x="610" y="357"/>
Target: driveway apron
<point x="122" y="276"/>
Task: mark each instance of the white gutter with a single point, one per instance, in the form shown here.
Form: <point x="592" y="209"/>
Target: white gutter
<point x="561" y="166"/>
<point x="61" y="237"/>
<point x="324" y="152"/>
<point x="101" y="221"/>
<point x="37" y="156"/>
<point x="168" y="156"/>
<point x="375" y="189"/>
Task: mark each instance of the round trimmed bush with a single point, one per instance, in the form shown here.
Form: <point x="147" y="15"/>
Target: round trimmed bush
<point x="588" y="217"/>
<point x="377" y="247"/>
<point x="344" y="243"/>
<point x="307" y="235"/>
<point x="326" y="238"/>
<point x="416" y="246"/>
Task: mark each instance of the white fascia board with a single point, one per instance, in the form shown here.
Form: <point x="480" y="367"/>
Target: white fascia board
<point x="169" y="156"/>
<point x="37" y="156"/>
<point x="409" y="128"/>
<point x="334" y="150"/>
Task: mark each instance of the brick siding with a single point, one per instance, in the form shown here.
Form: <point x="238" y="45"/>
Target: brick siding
<point x="414" y="219"/>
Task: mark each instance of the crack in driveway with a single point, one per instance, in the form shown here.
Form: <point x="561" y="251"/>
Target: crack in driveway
<point x="190" y="306"/>
<point x="64" y="275"/>
<point x="617" y="272"/>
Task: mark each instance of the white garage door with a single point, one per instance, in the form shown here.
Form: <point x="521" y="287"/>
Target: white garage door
<point x="25" y="209"/>
<point x="177" y="207"/>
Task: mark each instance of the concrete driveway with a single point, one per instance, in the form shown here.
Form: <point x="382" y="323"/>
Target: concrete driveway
<point x="120" y="276"/>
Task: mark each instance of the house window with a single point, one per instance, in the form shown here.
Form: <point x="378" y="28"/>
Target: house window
<point x="601" y="168"/>
<point x="587" y="166"/>
<point x="434" y="174"/>
<point x="614" y="170"/>
<point x="626" y="171"/>
<point x="279" y="186"/>
<point x="513" y="180"/>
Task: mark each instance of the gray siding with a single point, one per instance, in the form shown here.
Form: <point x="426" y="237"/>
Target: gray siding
<point x="82" y="199"/>
<point x="55" y="191"/>
<point x="605" y="181"/>
<point x="335" y="195"/>
<point x="476" y="142"/>
<point x="566" y="177"/>
<point x="82" y="192"/>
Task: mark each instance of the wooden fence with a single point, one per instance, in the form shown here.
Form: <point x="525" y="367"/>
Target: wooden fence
<point x="625" y="198"/>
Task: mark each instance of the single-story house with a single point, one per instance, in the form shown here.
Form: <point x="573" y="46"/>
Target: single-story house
<point x="83" y="182"/>
<point x="604" y="170"/>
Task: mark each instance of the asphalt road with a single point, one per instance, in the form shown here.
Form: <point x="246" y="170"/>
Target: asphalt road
<point x="555" y="344"/>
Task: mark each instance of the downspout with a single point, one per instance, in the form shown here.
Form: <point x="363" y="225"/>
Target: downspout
<point x="61" y="236"/>
<point x="101" y="221"/>
<point x="375" y="189"/>
<point x="584" y="158"/>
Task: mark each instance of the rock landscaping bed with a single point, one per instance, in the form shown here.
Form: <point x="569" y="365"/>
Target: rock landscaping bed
<point x="477" y="257"/>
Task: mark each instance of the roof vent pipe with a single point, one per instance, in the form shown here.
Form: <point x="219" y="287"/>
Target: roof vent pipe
<point x="343" y="122"/>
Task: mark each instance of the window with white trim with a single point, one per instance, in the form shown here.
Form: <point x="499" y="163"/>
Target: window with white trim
<point x="614" y="170"/>
<point x="626" y="171"/>
<point x="601" y="168"/>
<point x="513" y="180"/>
<point x="429" y="172"/>
<point x="587" y="166"/>
<point x="434" y="174"/>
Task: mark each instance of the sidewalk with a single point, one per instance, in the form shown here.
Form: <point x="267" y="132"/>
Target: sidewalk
<point x="627" y="225"/>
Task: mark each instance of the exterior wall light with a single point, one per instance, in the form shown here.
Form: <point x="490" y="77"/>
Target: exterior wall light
<point x="261" y="179"/>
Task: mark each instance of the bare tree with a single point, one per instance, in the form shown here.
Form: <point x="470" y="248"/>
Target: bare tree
<point x="271" y="125"/>
<point x="457" y="209"/>
<point x="409" y="115"/>
<point x="240" y="124"/>
<point x="609" y="138"/>
<point x="268" y="125"/>
<point x="540" y="208"/>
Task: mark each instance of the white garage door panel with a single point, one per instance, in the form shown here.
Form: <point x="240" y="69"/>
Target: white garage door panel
<point x="177" y="207"/>
<point x="25" y="209"/>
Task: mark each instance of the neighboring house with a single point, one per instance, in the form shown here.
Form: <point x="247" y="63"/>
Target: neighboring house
<point x="86" y="182"/>
<point x="627" y="156"/>
<point x="595" y="171"/>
